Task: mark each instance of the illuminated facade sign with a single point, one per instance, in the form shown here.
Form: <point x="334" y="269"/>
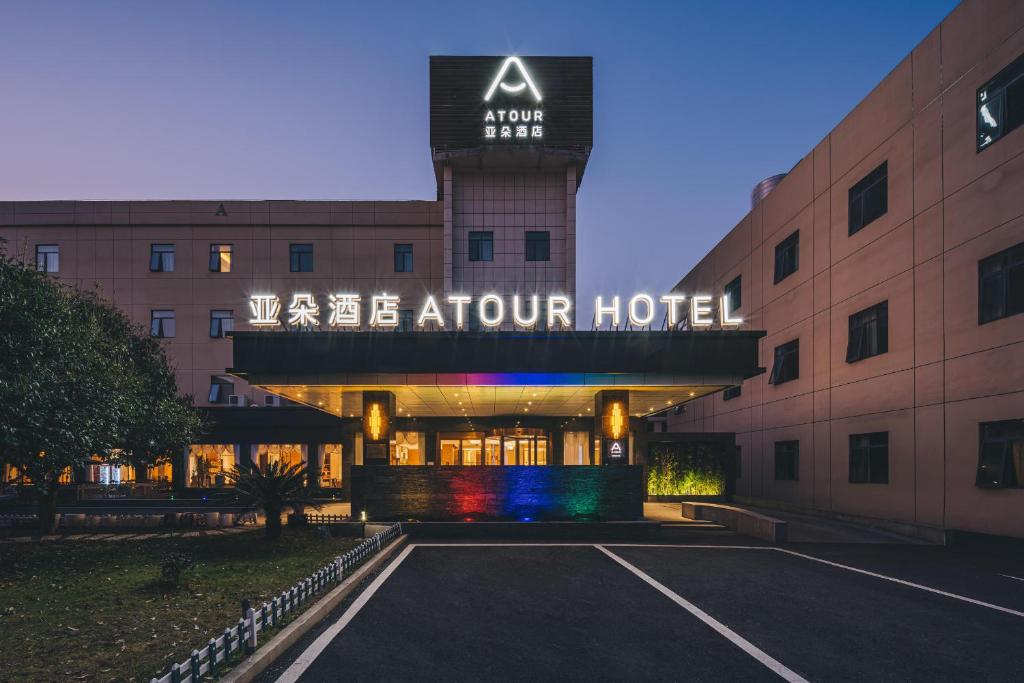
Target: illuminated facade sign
<point x="345" y="310"/>
<point x="512" y="121"/>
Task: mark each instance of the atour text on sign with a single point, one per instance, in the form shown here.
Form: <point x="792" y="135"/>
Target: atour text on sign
<point x="346" y="310"/>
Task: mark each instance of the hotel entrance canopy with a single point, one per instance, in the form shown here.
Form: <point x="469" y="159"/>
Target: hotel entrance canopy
<point x="455" y="374"/>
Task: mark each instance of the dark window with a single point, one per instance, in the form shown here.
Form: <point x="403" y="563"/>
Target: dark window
<point x="787" y="460"/>
<point x="787" y="257"/>
<point x="220" y="258"/>
<point x="47" y="258"/>
<point x="220" y="389"/>
<point x="1001" y="455"/>
<point x="1000" y="104"/>
<point x="732" y="392"/>
<point x="221" y="322"/>
<point x="481" y="246"/>
<point x="403" y="258"/>
<point x="869" y="333"/>
<point x="734" y="293"/>
<point x="869" y="199"/>
<point x="869" y="458"/>
<point x="161" y="324"/>
<point x="538" y="245"/>
<point x="405" y="320"/>
<point x="1001" y="285"/>
<point x="787" y="362"/>
<point x="161" y="258"/>
<point x="301" y="258"/>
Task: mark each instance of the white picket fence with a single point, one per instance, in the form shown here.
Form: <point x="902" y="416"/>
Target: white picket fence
<point x="243" y="636"/>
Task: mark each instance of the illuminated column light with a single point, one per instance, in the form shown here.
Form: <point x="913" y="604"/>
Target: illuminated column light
<point x="672" y="302"/>
<point x="375" y="422"/>
<point x="384" y="311"/>
<point x="517" y="316"/>
<point x="636" y="319"/>
<point x="617" y="420"/>
<point x="701" y="311"/>
<point x="461" y="303"/>
<point x="726" y="314"/>
<point x="600" y="310"/>
<point x="559" y="307"/>
<point x="499" y="308"/>
<point x="430" y="312"/>
<point x="266" y="309"/>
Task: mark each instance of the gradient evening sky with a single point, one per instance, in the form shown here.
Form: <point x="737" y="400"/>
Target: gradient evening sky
<point x="694" y="103"/>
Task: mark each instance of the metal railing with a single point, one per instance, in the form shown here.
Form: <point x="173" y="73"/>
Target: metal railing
<point x="242" y="637"/>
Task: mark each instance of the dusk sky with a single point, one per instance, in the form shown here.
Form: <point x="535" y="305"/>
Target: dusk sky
<point x="694" y="103"/>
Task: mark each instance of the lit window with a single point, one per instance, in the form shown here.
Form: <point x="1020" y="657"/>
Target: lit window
<point x="161" y="324"/>
<point x="1001" y="455"/>
<point x="787" y="257"/>
<point x="220" y="258"/>
<point x="538" y="245"/>
<point x="869" y="333"/>
<point x="481" y="246"/>
<point x="220" y="389"/>
<point x="1000" y="104"/>
<point x="47" y="258"/>
<point x="869" y="458"/>
<point x="869" y="198"/>
<point x="161" y="258"/>
<point x="403" y="258"/>
<point x="221" y="322"/>
<point x="1001" y="285"/>
<point x="734" y="293"/>
<point x="787" y="460"/>
<point x="787" y="363"/>
<point x="300" y="257"/>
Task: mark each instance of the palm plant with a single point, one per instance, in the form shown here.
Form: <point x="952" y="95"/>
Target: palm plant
<point x="271" y="487"/>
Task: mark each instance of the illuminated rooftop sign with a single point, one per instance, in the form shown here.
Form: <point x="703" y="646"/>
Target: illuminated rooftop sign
<point x="345" y="310"/>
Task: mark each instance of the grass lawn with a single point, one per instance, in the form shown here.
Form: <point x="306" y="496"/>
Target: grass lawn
<point x="97" y="611"/>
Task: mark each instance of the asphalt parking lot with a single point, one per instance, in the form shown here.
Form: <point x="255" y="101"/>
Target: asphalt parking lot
<point x="615" y="611"/>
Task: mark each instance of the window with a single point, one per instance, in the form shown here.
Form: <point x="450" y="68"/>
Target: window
<point x="300" y="258"/>
<point x="161" y="324"/>
<point x="220" y="389"/>
<point x="481" y="246"/>
<point x="869" y="199"/>
<point x="869" y="333"/>
<point x="733" y="292"/>
<point x="787" y="363"/>
<point x="732" y="392"/>
<point x="787" y="460"/>
<point x="1001" y="455"/>
<point x="403" y="258"/>
<point x="47" y="258"/>
<point x="538" y="245"/>
<point x="221" y="322"/>
<point x="220" y="258"/>
<point x="405" y="320"/>
<point x="1000" y="104"/>
<point x="1001" y="285"/>
<point x="161" y="258"/>
<point x="869" y="458"/>
<point x="787" y="257"/>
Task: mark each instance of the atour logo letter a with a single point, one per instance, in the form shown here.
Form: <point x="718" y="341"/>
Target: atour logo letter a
<point x="513" y="88"/>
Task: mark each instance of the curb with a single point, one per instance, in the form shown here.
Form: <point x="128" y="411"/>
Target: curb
<point x="252" y="666"/>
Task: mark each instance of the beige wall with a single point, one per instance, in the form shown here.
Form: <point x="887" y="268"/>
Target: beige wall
<point x="107" y="245"/>
<point x="949" y="207"/>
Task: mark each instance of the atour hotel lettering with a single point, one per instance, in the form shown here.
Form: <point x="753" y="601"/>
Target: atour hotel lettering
<point x="345" y="310"/>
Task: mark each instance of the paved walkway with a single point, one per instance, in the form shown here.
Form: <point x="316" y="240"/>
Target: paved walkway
<point x="132" y="536"/>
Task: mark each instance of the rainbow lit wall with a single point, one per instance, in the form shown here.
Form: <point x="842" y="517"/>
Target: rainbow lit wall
<point x="524" y="494"/>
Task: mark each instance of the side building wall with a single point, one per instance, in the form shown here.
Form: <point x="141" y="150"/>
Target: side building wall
<point x="949" y="206"/>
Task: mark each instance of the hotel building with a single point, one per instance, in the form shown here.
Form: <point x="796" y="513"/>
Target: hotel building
<point x="887" y="268"/>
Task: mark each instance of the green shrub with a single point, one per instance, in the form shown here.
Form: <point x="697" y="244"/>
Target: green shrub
<point x="685" y="470"/>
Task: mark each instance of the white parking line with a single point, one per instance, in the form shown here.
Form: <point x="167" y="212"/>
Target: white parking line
<point x="739" y="641"/>
<point x="893" y="579"/>
<point x="1015" y="578"/>
<point x="302" y="662"/>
